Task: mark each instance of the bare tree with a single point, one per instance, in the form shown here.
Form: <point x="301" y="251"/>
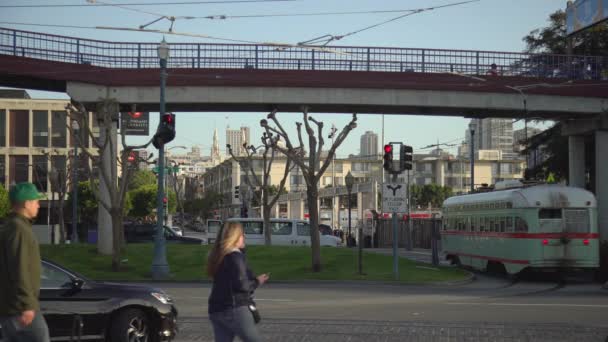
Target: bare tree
<point x="309" y="165"/>
<point x="263" y="196"/>
<point x="107" y="114"/>
<point x="178" y="187"/>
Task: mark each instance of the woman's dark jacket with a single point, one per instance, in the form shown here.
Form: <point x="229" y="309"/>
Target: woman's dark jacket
<point x="233" y="284"/>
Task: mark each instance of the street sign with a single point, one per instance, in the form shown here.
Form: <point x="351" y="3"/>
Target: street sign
<point x="394" y="197"/>
<point x="135" y="123"/>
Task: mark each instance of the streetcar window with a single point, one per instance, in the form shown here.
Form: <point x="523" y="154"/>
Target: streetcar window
<point x="502" y="224"/>
<point x="545" y="214"/>
<point x="520" y="225"/>
<point x="509" y="224"/>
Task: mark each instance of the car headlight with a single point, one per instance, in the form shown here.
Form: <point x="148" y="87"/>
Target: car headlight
<point x="163" y="298"/>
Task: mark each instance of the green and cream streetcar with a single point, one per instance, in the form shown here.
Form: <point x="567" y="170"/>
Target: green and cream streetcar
<point x="546" y="227"/>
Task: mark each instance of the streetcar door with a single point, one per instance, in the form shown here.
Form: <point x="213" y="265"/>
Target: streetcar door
<point x="551" y="223"/>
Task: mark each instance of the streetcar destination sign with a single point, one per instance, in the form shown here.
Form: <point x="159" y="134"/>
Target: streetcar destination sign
<point x="394" y="197"/>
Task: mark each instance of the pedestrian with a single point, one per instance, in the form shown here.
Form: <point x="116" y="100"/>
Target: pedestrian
<point x="232" y="310"/>
<point x="20" y="267"/>
<point x="493" y="71"/>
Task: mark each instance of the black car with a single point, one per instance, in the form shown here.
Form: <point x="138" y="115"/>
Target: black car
<point x="145" y="233"/>
<point x="75" y="307"/>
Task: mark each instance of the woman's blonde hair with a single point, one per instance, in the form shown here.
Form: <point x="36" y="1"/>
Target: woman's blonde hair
<point x="224" y="245"/>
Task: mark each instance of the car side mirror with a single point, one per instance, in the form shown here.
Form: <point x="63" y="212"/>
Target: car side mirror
<point x="77" y="283"/>
<point x="75" y="287"/>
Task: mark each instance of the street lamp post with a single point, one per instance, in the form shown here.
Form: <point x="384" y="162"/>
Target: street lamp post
<point x="160" y="267"/>
<point x="75" y="129"/>
<point x="349" y="180"/>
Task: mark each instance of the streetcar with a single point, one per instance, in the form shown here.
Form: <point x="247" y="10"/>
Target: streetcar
<point x="546" y="227"/>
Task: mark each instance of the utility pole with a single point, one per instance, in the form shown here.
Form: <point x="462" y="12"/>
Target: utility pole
<point x="75" y="128"/>
<point x="472" y="157"/>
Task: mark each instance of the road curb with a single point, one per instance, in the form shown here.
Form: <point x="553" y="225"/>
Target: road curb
<point x="470" y="278"/>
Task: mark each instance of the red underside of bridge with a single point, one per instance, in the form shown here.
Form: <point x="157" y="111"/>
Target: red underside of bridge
<point x="38" y="74"/>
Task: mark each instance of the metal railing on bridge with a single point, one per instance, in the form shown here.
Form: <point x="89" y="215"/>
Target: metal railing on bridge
<point x="258" y="56"/>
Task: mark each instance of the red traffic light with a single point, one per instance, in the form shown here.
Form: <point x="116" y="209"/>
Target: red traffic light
<point x="168" y="118"/>
<point x="131" y="157"/>
<point x="164" y="199"/>
<point x="388" y="148"/>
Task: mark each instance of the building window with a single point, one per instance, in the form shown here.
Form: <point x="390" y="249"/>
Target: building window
<point x="2" y="127"/>
<point x="59" y="129"/>
<point x="39" y="172"/>
<point x="2" y="171"/>
<point x="18" y="167"/>
<point x="41" y="128"/>
<point x="19" y="128"/>
<point x="58" y="165"/>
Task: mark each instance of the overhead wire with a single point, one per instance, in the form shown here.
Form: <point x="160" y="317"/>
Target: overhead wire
<point x="99" y="4"/>
<point x="328" y="38"/>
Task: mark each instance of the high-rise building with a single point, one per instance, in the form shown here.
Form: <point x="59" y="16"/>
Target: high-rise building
<point x="236" y="137"/>
<point x="492" y="134"/>
<point x="369" y="144"/>
<point x="520" y="135"/>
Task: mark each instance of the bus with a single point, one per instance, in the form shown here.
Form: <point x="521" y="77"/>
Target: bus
<point x="543" y="227"/>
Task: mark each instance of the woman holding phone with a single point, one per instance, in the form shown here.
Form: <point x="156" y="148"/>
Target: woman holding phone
<point x="231" y="308"/>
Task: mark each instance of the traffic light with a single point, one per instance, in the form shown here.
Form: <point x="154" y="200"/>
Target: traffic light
<point x="165" y="202"/>
<point x="406" y="157"/>
<point x="236" y="191"/>
<point x="388" y="157"/>
<point x="165" y="132"/>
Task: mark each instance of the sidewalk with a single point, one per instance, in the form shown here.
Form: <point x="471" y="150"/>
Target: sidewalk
<point x="306" y="330"/>
<point x="417" y="254"/>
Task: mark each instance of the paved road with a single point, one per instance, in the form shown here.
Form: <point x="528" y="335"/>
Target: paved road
<point x="489" y="309"/>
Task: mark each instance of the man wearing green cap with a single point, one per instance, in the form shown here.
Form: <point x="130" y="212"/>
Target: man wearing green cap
<point x="20" y="268"/>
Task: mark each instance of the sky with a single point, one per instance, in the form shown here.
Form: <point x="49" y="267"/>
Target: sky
<point x="491" y="25"/>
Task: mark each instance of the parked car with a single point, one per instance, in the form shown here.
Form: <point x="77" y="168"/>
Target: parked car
<point x="104" y="311"/>
<point x="285" y="232"/>
<point x="145" y="233"/>
<point x="325" y="229"/>
<point x="177" y="230"/>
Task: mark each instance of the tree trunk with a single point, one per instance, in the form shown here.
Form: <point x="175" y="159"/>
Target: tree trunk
<point x="315" y="240"/>
<point x="266" y="216"/>
<point x="61" y="221"/>
<point x="117" y="239"/>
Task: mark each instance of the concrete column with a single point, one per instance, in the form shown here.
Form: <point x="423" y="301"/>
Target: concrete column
<point x="601" y="182"/>
<point x="360" y="206"/>
<point x="104" y="219"/>
<point x="576" y="161"/>
<point x="335" y="202"/>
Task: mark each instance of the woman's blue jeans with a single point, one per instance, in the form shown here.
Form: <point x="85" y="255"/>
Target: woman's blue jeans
<point x="234" y="322"/>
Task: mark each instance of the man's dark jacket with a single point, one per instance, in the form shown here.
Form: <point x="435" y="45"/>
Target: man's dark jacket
<point x="20" y="267"/>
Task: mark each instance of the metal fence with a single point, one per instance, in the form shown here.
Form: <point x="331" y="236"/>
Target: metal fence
<point x="270" y="57"/>
<point x="422" y="233"/>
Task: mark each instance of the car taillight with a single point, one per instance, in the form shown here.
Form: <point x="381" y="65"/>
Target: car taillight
<point x="586" y="242"/>
<point x="545" y="242"/>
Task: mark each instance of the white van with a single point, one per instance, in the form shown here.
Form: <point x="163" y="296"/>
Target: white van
<point x="285" y="232"/>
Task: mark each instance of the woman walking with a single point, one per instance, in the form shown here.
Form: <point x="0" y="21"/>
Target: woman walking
<point x="231" y="306"/>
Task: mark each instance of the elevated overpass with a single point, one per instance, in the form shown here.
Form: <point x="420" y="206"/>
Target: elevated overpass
<point x="249" y="78"/>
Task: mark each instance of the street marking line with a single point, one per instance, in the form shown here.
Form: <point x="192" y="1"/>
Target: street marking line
<point x="256" y="299"/>
<point x="428" y="268"/>
<point x="533" y="304"/>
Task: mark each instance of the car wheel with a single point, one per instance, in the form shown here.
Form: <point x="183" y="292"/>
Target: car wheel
<point x="131" y="325"/>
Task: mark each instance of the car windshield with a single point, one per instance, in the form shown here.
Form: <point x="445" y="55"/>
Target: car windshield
<point x="170" y="232"/>
<point x="50" y="264"/>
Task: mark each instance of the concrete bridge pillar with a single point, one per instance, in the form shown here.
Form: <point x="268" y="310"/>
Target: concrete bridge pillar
<point x="335" y="212"/>
<point x="108" y="157"/>
<point x="601" y="181"/>
<point x="576" y="161"/>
